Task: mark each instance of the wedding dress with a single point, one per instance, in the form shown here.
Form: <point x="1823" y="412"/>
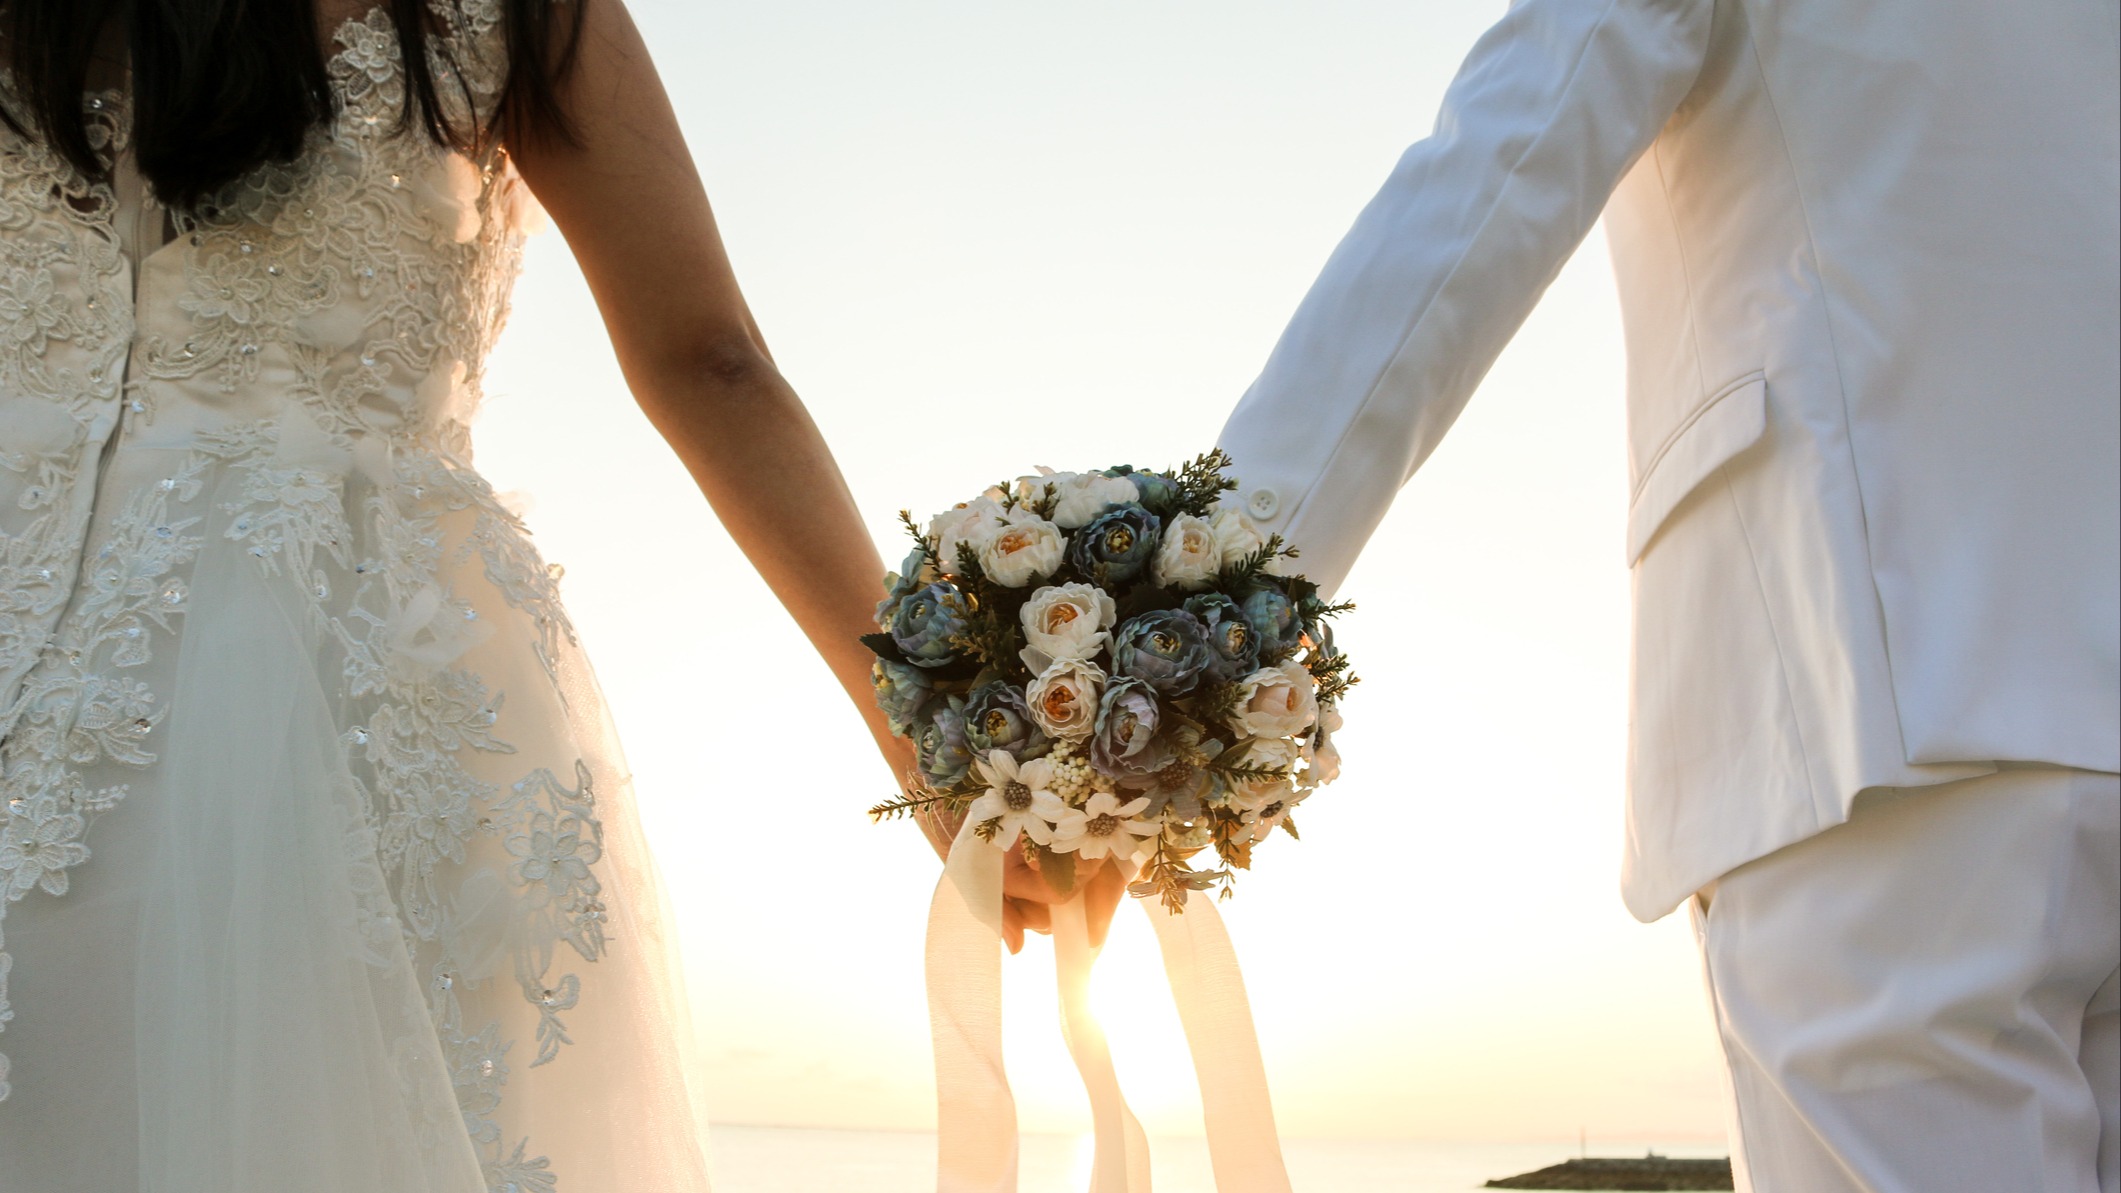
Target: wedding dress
<point x="320" y="869"/>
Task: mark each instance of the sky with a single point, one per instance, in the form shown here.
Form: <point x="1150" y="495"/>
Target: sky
<point x="985" y="236"/>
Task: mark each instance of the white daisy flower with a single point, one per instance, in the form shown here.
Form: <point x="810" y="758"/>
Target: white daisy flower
<point x="1269" y="816"/>
<point x="1102" y="827"/>
<point x="1020" y="795"/>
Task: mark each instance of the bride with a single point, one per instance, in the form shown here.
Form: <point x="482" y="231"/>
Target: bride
<point x="319" y="869"/>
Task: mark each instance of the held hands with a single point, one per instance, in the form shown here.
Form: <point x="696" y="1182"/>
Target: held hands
<point x="1029" y="894"/>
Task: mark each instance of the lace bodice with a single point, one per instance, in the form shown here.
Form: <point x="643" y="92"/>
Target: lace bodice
<point x="361" y="285"/>
<point x="289" y="372"/>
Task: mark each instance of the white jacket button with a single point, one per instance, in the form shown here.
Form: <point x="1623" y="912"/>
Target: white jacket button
<point x="1263" y="504"/>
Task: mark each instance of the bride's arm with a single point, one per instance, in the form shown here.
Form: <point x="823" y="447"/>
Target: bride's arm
<point x="626" y="195"/>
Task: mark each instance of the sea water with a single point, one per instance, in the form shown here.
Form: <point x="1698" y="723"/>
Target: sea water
<point x="803" y="1160"/>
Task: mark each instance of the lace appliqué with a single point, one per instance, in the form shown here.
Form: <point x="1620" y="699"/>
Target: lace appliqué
<point x="365" y="283"/>
<point x="65" y="325"/>
<point x="79" y="709"/>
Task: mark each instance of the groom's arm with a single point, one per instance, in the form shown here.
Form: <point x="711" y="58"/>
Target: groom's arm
<point x="1552" y="107"/>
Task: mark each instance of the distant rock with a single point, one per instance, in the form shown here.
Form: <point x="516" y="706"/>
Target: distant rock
<point x="1651" y="1174"/>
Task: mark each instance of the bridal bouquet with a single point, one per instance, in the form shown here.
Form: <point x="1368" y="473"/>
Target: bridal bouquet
<point x="1111" y="664"/>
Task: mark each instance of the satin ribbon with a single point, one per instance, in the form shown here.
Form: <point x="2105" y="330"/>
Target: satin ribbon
<point x="1122" y="1164"/>
<point x="976" y="1126"/>
<point x="975" y="1112"/>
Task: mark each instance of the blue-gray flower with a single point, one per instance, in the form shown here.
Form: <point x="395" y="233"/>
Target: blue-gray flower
<point x="1323" y="640"/>
<point x="939" y="743"/>
<point x="926" y="622"/>
<point x="1124" y="744"/>
<point x="899" y="585"/>
<point x="1117" y="545"/>
<point x="1166" y="649"/>
<point x="1184" y="783"/>
<point x="901" y="690"/>
<point x="1157" y="491"/>
<point x="1232" y="642"/>
<point x="997" y="717"/>
<point x="1274" y="619"/>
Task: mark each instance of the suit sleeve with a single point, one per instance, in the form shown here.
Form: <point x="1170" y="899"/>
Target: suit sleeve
<point x="1552" y="107"/>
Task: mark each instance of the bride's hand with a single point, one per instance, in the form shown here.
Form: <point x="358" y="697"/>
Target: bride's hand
<point x="1100" y="885"/>
<point x="1102" y="888"/>
<point x="942" y="828"/>
<point x="1026" y="895"/>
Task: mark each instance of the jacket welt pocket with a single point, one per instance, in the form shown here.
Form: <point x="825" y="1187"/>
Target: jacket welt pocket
<point x="1731" y="420"/>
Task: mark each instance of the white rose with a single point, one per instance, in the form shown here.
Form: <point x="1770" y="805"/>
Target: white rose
<point x="1277" y="701"/>
<point x="1189" y="557"/>
<point x="1066" y="621"/>
<point x="969" y="522"/>
<point x="1084" y="497"/>
<point x="1023" y="549"/>
<point x="1272" y="753"/>
<point x="1235" y="537"/>
<point x="1030" y="489"/>
<point x="1064" y="698"/>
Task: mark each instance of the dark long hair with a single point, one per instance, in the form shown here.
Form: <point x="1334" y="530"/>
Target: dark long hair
<point x="220" y="86"/>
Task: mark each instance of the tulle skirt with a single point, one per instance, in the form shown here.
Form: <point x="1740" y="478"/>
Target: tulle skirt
<point x="372" y="910"/>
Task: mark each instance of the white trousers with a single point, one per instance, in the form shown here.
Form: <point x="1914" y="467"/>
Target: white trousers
<point x="1925" y="999"/>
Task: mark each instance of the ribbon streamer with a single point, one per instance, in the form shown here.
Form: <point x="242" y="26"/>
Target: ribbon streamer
<point x="976" y="1113"/>
<point x="1122" y="1163"/>
<point x="976" y="1136"/>
<point x="1243" y="1147"/>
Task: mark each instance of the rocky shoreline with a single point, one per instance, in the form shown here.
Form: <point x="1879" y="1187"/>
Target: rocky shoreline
<point x="1651" y="1174"/>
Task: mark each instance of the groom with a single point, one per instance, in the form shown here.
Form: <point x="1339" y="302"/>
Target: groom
<point x="1868" y="259"/>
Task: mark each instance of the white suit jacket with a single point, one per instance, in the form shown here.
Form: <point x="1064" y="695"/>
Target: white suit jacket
<point x="1868" y="256"/>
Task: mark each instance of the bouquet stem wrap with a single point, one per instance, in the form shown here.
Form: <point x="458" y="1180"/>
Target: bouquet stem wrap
<point x="977" y="1113"/>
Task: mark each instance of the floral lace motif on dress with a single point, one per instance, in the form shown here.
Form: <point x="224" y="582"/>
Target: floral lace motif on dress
<point x="64" y="328"/>
<point x="364" y="284"/>
<point x="77" y="709"/>
<point x="65" y="324"/>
